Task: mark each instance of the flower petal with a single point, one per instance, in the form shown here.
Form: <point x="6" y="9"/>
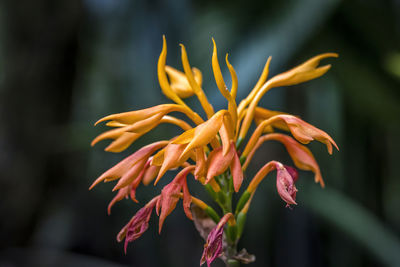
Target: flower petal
<point x="172" y="159"/>
<point x="122" y="193"/>
<point x="150" y="174"/>
<point x="236" y="171"/>
<point x="201" y="165"/>
<point x="131" y="175"/>
<point x="301" y="155"/>
<point x="170" y="195"/>
<point x="302" y="73"/>
<point x="205" y="132"/>
<point x="285" y="185"/>
<point x="301" y="130"/>
<point x="218" y="163"/>
<point x="122" y="142"/>
<point x="138" y="224"/>
<point x="123" y="166"/>
<point x="178" y="82"/>
<point x="213" y="245"/>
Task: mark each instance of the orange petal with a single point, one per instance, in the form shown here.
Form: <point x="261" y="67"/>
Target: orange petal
<point x="130" y="175"/>
<point x="201" y="165"/>
<point x="122" y="193"/>
<point x="171" y="160"/>
<point x="205" y="132"/>
<point x="145" y="125"/>
<point x="217" y="163"/>
<point x="150" y="174"/>
<point x="178" y="82"/>
<point x="301" y="155"/>
<point x="111" y="134"/>
<point x="122" y="142"/>
<point x="185" y="137"/>
<point x="187" y="200"/>
<point x="301" y="130"/>
<point x="162" y="76"/>
<point x="302" y="73"/>
<point x="170" y="195"/>
<point x="305" y="132"/>
<point x="236" y="171"/>
<point x="305" y="72"/>
<point x="138" y="115"/>
<point x="225" y="138"/>
<point x="123" y="166"/>
<point x="261" y="174"/>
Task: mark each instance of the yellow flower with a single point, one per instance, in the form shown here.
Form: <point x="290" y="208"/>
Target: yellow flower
<point x="210" y="148"/>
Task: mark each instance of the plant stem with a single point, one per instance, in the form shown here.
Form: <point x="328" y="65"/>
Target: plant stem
<point x="232" y="263"/>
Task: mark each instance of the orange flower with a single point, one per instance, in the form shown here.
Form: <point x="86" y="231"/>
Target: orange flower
<point x="218" y="163"/>
<point x="209" y="147"/>
<point x="300" y="129"/>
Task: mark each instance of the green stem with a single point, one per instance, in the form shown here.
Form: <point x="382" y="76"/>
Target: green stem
<point x="233" y="263"/>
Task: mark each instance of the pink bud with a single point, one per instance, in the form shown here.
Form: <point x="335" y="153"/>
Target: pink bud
<point x="213" y="246"/>
<point x="137" y="225"/>
<point x="285" y="185"/>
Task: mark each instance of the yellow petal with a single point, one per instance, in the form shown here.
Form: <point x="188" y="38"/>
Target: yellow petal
<point x="205" y="132"/>
<point x="158" y="158"/>
<point x="146" y="125"/>
<point x="304" y="72"/>
<point x="299" y="74"/>
<point x="195" y="84"/>
<point x="122" y="142"/>
<point x="264" y="75"/>
<point x="111" y="134"/>
<point x="162" y="76"/>
<point x="234" y="78"/>
<point x="185" y="137"/>
<point x="219" y="79"/>
<point x="139" y="115"/>
<point x="172" y="159"/>
<point x="179" y="83"/>
<point x="115" y="124"/>
<point x="178" y="122"/>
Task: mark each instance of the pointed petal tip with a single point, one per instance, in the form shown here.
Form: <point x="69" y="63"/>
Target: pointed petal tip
<point x="159" y="176"/>
<point x="98" y="121"/>
<point x="332" y="54"/>
<point x="94" y="142"/>
<point x="335" y="145"/>
<point x="96" y="182"/>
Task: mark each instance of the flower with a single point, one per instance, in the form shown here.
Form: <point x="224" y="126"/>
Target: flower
<point x="213" y="246"/>
<point x="285" y="179"/>
<point x="209" y="148"/>
<point x="138" y="224"/>
<point x="301" y="155"/>
<point x="170" y="195"/>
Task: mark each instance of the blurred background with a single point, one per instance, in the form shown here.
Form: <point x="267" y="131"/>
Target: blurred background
<point x="64" y="64"/>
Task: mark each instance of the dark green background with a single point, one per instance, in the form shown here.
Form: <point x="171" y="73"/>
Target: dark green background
<point x="66" y="63"/>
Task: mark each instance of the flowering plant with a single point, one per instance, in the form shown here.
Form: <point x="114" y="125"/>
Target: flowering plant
<point x="210" y="150"/>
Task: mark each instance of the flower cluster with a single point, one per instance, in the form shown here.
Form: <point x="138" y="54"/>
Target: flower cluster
<point x="216" y="150"/>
